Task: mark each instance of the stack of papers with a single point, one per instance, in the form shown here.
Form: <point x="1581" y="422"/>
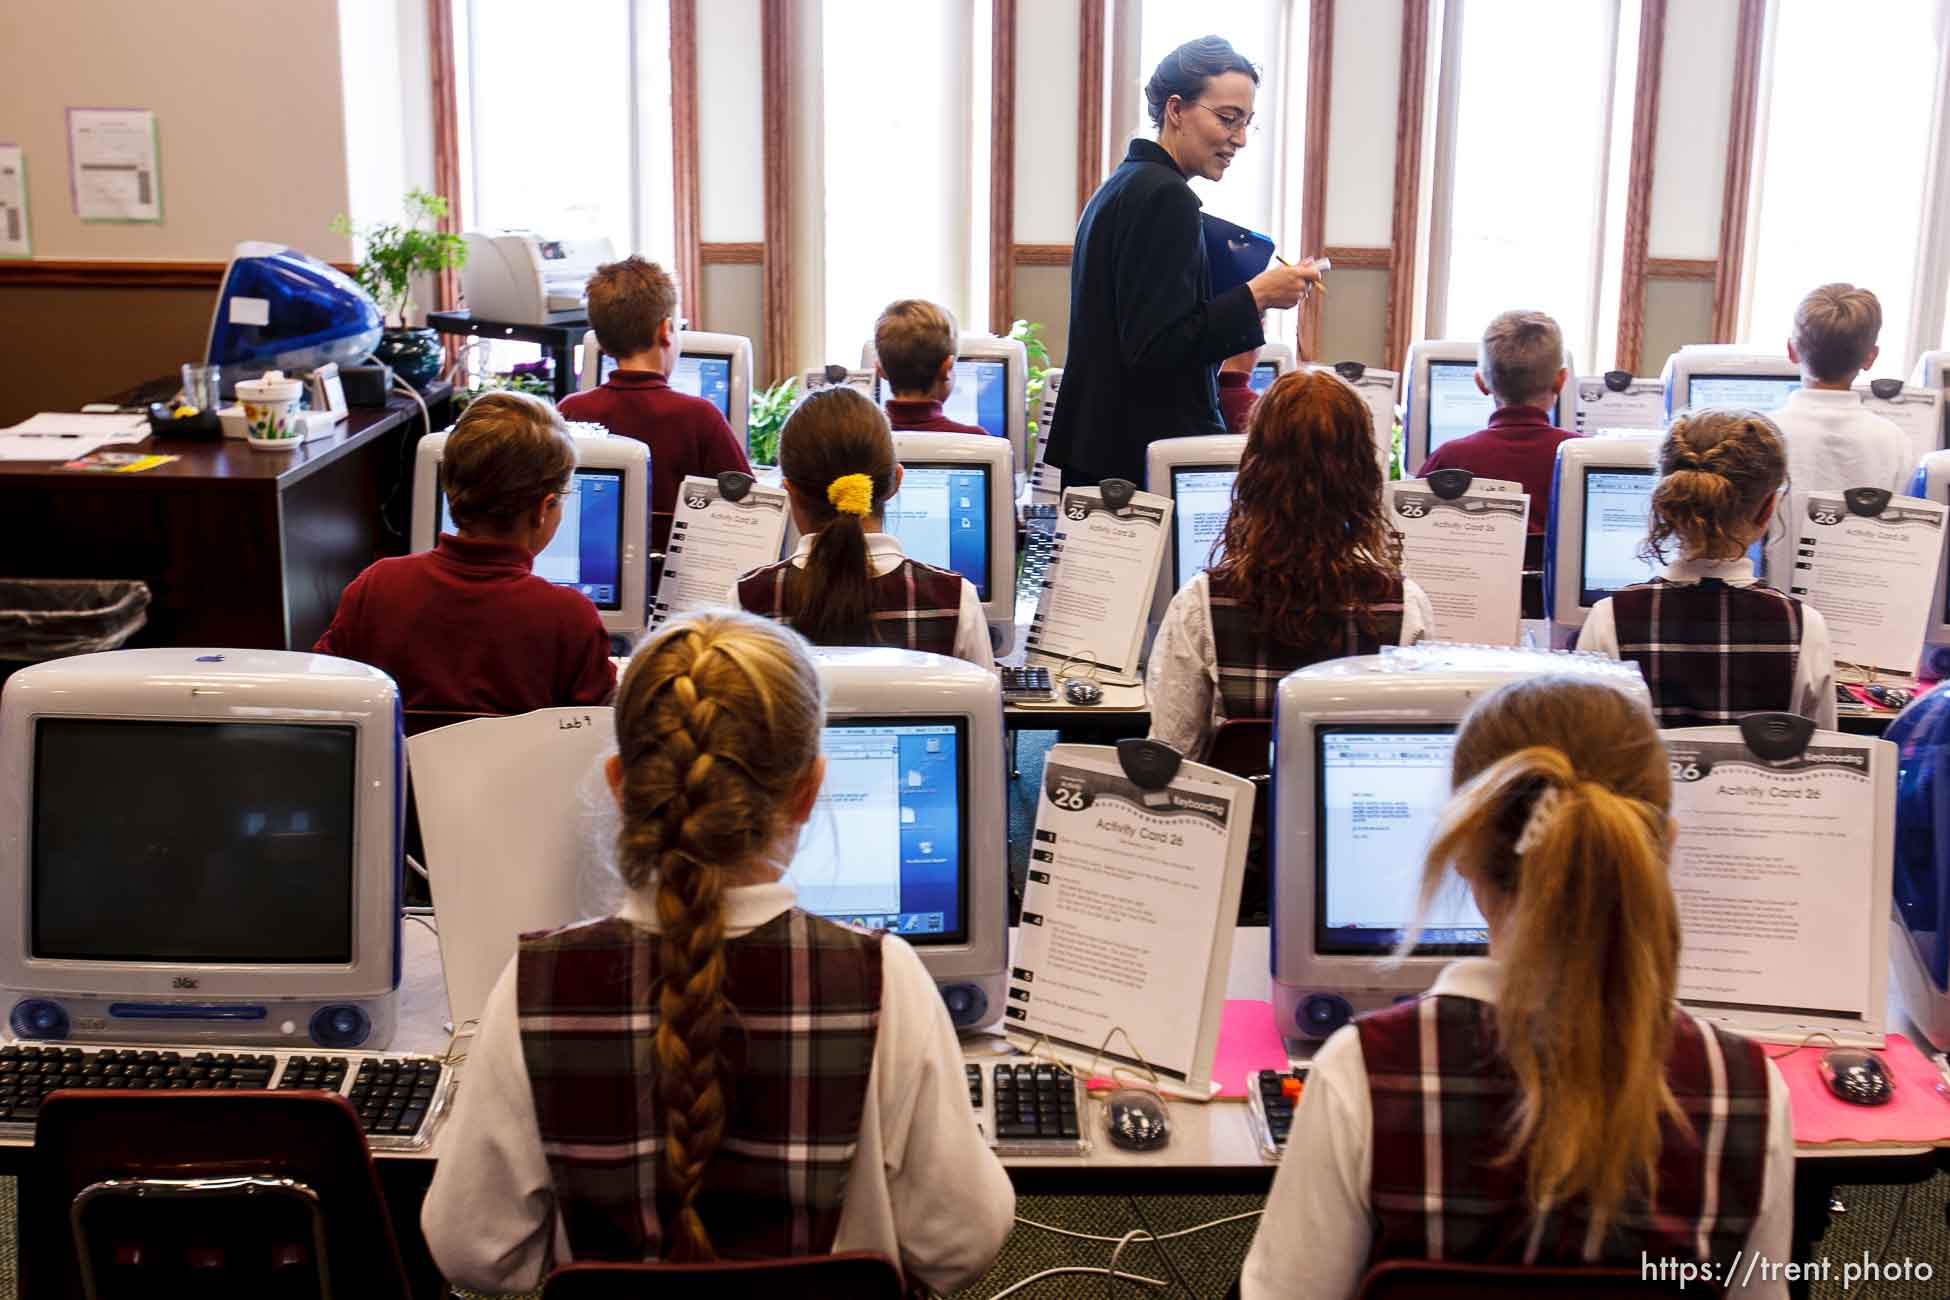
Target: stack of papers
<point x="65" y="435"/>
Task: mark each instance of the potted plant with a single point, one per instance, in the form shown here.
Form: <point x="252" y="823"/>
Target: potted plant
<point x="768" y="411"/>
<point x="394" y="253"/>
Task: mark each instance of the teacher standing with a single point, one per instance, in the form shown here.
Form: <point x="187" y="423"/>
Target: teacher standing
<point x="1146" y="333"/>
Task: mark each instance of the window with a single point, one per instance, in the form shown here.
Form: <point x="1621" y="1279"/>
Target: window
<point x="1521" y="200"/>
<point x="1842" y="165"/>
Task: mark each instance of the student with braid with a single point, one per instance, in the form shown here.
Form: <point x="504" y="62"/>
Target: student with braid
<point x="849" y="583"/>
<point x="713" y="1073"/>
<point x="1551" y="1103"/>
<point x="1713" y="643"/>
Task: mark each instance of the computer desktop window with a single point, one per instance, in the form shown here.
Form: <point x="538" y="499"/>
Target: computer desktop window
<point x="1201" y="500"/>
<point x="1379" y="793"/>
<point x="1456" y="407"/>
<point x="705" y="376"/>
<point x="1264" y="373"/>
<point x="941" y="515"/>
<point x="586" y="552"/>
<point x="245" y="855"/>
<point x="885" y="847"/>
<point x="981" y="395"/>
<point x="1753" y="392"/>
<point x="1617" y="503"/>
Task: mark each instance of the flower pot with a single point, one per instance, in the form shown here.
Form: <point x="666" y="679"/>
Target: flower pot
<point x="414" y="354"/>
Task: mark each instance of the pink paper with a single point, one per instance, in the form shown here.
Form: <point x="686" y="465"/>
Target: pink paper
<point x="1917" y="1114"/>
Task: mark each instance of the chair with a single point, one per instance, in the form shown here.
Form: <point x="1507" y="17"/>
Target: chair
<point x="1243" y="747"/>
<point x="214" y="1194"/>
<point x="412" y="723"/>
<point x="855" y="1275"/>
<point x="416" y="721"/>
<point x="1415" y="1279"/>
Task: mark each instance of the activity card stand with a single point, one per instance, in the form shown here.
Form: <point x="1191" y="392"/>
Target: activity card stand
<point x="1868" y="560"/>
<point x="836" y="376"/>
<point x="724" y="528"/>
<point x="1615" y="400"/>
<point x="1127" y="917"/>
<point x="1381" y="392"/>
<point x="1109" y="542"/>
<point x="1782" y="868"/>
<point x="1918" y="412"/>
<point x="1461" y="540"/>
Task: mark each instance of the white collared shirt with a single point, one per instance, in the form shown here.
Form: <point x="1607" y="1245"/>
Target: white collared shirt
<point x="1182" y="677"/>
<point x="1834" y="443"/>
<point x="884" y="555"/>
<point x="924" y="1188"/>
<point x="1814" y="667"/>
<point x="1315" y="1236"/>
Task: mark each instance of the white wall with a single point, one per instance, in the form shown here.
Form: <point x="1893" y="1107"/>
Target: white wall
<point x="730" y="120"/>
<point x="1361" y="123"/>
<point x="1690" y="149"/>
<point x="1046" y="122"/>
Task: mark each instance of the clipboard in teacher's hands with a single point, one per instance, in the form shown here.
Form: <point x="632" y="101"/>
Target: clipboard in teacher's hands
<point x="1235" y="253"/>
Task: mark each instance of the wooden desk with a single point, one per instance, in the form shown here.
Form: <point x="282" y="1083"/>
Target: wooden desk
<point x="240" y="548"/>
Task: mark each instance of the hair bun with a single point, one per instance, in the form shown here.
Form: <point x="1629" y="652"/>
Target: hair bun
<point x="851" y="494"/>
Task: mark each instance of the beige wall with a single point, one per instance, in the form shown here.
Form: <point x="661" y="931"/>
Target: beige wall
<point x="734" y="303"/>
<point x="1677" y="312"/>
<point x="1042" y="293"/>
<point x="1353" y="322"/>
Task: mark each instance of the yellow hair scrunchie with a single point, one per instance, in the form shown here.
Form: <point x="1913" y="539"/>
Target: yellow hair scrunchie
<point x="851" y="494"/>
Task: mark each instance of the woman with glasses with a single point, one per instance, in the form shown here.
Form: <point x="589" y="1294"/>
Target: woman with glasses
<point x="1146" y="331"/>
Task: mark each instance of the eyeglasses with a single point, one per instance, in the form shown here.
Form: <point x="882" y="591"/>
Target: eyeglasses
<point x="1232" y="119"/>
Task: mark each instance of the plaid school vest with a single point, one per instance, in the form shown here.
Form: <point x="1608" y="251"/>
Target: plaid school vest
<point x="1442" y="1100"/>
<point x="1251" y="664"/>
<point x="797" y="1049"/>
<point x="912" y="606"/>
<point x="1710" y="652"/>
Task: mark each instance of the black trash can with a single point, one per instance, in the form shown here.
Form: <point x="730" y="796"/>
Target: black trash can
<point x="50" y="618"/>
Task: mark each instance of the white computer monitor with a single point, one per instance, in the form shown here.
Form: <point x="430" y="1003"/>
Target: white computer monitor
<point x="1723" y="374"/>
<point x="1275" y="359"/>
<point x="1601" y="496"/>
<point x="716" y="367"/>
<point x="1932" y="483"/>
<point x="956" y="510"/>
<point x="1361" y="763"/>
<point x="1443" y="402"/>
<point x="991" y="388"/>
<point x="1197" y="474"/>
<point x="910" y="834"/>
<point x="201" y="846"/>
<point x="602" y="547"/>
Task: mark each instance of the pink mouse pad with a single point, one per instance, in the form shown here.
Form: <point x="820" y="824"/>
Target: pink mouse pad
<point x="1917" y="1113"/>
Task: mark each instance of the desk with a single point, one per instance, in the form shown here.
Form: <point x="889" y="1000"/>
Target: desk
<point x="241" y="548"/>
<point x="559" y="337"/>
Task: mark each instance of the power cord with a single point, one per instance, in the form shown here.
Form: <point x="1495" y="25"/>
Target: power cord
<point x="1110" y="1272"/>
<point x="406" y="446"/>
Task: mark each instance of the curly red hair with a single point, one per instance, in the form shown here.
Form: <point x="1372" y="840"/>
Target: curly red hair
<point x="1306" y="541"/>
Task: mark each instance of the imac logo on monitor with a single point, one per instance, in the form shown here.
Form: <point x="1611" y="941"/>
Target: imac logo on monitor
<point x="941" y="515"/>
<point x="586" y="552"/>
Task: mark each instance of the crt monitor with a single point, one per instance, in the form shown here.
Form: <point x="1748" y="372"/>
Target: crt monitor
<point x="602" y="545"/>
<point x="716" y="367"/>
<point x="1275" y="359"/>
<point x="956" y="510"/>
<point x="1361" y="758"/>
<point x="1443" y="402"/>
<point x="991" y="388"/>
<point x="1197" y="474"/>
<point x="1601" y="496"/>
<point x="1715" y="374"/>
<point x="235" y="881"/>
<point x="909" y="835"/>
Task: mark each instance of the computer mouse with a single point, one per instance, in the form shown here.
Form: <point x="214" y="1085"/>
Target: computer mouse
<point x="1857" y="1077"/>
<point x="1079" y="691"/>
<point x="1137" y="1120"/>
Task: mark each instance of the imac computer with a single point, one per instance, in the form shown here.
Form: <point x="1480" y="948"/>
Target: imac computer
<point x="991" y="388"/>
<point x="1275" y="359"/>
<point x="1601" y="495"/>
<point x="716" y="367"/>
<point x="1197" y="474"/>
<point x="956" y="510"/>
<point x="1361" y="756"/>
<point x="909" y="835"/>
<point x="1932" y="483"/>
<point x="1722" y="374"/>
<point x="600" y="549"/>
<point x="201" y="846"/>
<point x="1443" y="402"/>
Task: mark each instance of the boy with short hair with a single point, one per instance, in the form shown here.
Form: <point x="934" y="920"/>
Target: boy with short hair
<point x="1236" y="389"/>
<point x="468" y="626"/>
<point x="633" y="309"/>
<point x="914" y="342"/>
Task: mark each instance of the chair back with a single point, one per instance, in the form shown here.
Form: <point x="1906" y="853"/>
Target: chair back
<point x="215" y="1194"/>
<point x="1243" y="747"/>
<point x="506" y="852"/>
<point x="1415" y="1279"/>
<point x="854" y="1275"/>
<point x="416" y="721"/>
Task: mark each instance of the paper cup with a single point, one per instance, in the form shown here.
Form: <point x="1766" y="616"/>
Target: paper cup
<point x="271" y="410"/>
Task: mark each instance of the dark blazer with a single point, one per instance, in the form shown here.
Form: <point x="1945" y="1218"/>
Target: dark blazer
<point x="1146" y="334"/>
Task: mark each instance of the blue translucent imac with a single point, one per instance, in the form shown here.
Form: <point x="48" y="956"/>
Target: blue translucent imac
<point x="280" y="309"/>
<point x="1920" y="952"/>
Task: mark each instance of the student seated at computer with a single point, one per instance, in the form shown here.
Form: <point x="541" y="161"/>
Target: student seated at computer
<point x="1834" y="442"/>
<point x="1236" y="389"/>
<point x="1713" y="643"/>
<point x="1521" y="367"/>
<point x="1305" y="573"/>
<point x="633" y="309"/>
<point x="580" y="1136"/>
<point x="849" y="583"/>
<point x="914" y="341"/>
<point x="468" y="625"/>
<point x="1581" y="1116"/>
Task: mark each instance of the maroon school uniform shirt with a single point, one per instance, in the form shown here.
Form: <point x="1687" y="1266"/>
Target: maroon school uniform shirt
<point x="1520" y="445"/>
<point x="1236" y="398"/>
<point x="468" y="626"/>
<point x="685" y="434"/>
<point x="922" y="415"/>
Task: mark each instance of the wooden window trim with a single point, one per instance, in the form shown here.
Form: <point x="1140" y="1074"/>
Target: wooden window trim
<point x="1090" y="100"/>
<point x="445" y="87"/>
<point x="1405" y="223"/>
<point x="1313" y="178"/>
<point x="775" y="73"/>
<point x="1737" y="188"/>
<point x="1638" y="185"/>
<point x="686" y="194"/>
<point x="1002" y="164"/>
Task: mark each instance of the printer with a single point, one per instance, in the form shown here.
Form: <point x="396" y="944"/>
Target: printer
<point x="518" y="277"/>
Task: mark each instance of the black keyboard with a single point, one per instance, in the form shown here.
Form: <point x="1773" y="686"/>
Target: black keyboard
<point x="1036" y="1109"/>
<point x="1032" y="684"/>
<point x="1039" y="518"/>
<point x="1038" y="551"/>
<point x="1270" y="1097"/>
<point x="399" y="1098"/>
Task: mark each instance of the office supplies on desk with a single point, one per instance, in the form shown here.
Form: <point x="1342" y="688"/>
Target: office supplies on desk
<point x="279" y="309"/>
<point x="1271" y="1096"/>
<point x="519" y="276"/>
<point x="119" y="462"/>
<point x="1020" y="684"/>
<point x="1249" y="1040"/>
<point x="270" y="403"/>
<point x="1917" y="1114"/>
<point x="1037" y="1109"/>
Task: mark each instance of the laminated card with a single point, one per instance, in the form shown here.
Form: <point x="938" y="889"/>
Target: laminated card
<point x="1101" y="578"/>
<point x="1868" y="560"/>
<point x="1466" y="551"/>
<point x="715" y="539"/>
<point x="1615" y="401"/>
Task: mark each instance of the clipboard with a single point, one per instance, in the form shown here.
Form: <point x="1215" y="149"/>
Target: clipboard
<point x="1234" y="253"/>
